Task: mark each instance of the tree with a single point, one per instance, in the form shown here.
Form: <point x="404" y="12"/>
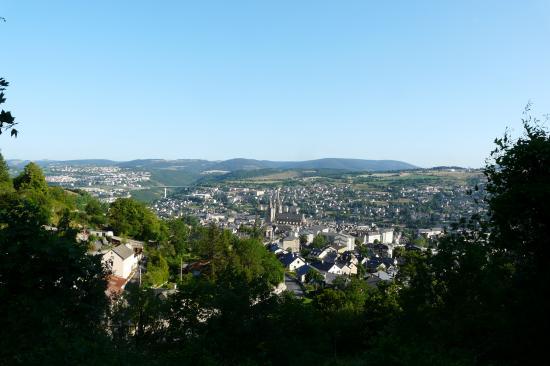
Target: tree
<point x="95" y="212"/>
<point x="132" y="218"/>
<point x="52" y="291"/>
<point x="7" y="121"/>
<point x="157" y="269"/>
<point x="330" y="300"/>
<point x="420" y="241"/>
<point x="467" y="304"/>
<point x="256" y="264"/>
<point x="31" y="178"/>
<point x="5" y="179"/>
<point x="314" y="277"/>
<point x="178" y="232"/>
<point x="319" y="241"/>
<point x="519" y="205"/>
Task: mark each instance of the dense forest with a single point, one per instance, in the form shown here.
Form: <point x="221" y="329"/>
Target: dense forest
<point x="481" y="300"/>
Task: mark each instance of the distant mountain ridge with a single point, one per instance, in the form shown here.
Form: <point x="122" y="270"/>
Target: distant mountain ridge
<point x="198" y="165"/>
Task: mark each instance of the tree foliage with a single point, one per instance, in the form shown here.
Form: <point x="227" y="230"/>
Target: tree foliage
<point x="31" y="178"/>
<point x="319" y="241"/>
<point x="7" y="121"/>
<point x="129" y="217"/>
<point x="5" y="180"/>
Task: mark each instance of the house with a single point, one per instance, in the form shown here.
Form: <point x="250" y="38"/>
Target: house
<point x="371" y="236"/>
<point x="387" y="236"/>
<point x="327" y="267"/>
<point x="374" y="264"/>
<point x="344" y="268"/>
<point x="349" y="257"/>
<point x="122" y="259"/>
<point x="431" y="233"/>
<point x="275" y="248"/>
<point x="302" y="271"/>
<point x="343" y="242"/>
<point x="352" y="268"/>
<point x="380" y="276"/>
<point x="292" y="261"/>
<point x="327" y="254"/>
<point x="308" y="234"/>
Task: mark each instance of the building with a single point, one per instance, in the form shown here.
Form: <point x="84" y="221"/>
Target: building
<point x="431" y="233"/>
<point x="387" y="236"/>
<point x="122" y="260"/>
<point x="343" y="242"/>
<point x="275" y="214"/>
<point x="292" y="261"/>
<point x="371" y="236"/>
<point x="291" y="243"/>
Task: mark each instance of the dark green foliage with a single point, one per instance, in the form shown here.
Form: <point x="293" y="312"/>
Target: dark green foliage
<point x="7" y="121"/>
<point x="96" y="213"/>
<point x="157" y="269"/>
<point x="6" y="183"/>
<point x="319" y="241"/>
<point x="4" y="170"/>
<point x="483" y="299"/>
<point x="31" y="178"/>
<point x="131" y="218"/>
<point x="52" y="293"/>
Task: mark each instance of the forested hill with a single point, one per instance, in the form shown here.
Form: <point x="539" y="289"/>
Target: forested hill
<point x="198" y="165"/>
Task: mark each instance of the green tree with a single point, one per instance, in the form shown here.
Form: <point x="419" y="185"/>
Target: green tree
<point x="467" y="304"/>
<point x="319" y="241"/>
<point x="179" y="232"/>
<point x="52" y="291"/>
<point x="132" y="218"/>
<point x="420" y="241"/>
<point x="7" y="121"/>
<point x="31" y="178"/>
<point x="157" y="269"/>
<point x="314" y="277"/>
<point x="5" y="179"/>
<point x="95" y="212"/>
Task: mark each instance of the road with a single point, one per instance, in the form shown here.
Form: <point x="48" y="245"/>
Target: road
<point x="293" y="286"/>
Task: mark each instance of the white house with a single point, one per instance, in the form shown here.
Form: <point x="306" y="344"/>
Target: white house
<point x="387" y="236"/>
<point x="346" y="241"/>
<point x="430" y="233"/>
<point x="122" y="260"/>
<point x="291" y="261"/>
<point x="326" y="267"/>
<point x="371" y="236"/>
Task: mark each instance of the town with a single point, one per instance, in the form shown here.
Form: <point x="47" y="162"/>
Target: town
<point x="105" y="182"/>
<point x="320" y="231"/>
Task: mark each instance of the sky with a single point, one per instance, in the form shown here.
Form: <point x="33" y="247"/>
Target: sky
<point x="426" y="82"/>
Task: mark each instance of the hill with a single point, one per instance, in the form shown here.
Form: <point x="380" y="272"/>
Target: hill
<point x="232" y="165"/>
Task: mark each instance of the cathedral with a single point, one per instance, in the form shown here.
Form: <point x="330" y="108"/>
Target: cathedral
<point x="279" y="215"/>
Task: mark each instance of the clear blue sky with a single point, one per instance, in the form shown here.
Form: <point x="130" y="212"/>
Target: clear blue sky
<point x="427" y="82"/>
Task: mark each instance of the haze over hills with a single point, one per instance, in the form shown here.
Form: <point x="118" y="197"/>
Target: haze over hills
<point x="198" y="165"/>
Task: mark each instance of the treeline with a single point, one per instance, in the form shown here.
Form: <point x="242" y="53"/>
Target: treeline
<point x="481" y="300"/>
